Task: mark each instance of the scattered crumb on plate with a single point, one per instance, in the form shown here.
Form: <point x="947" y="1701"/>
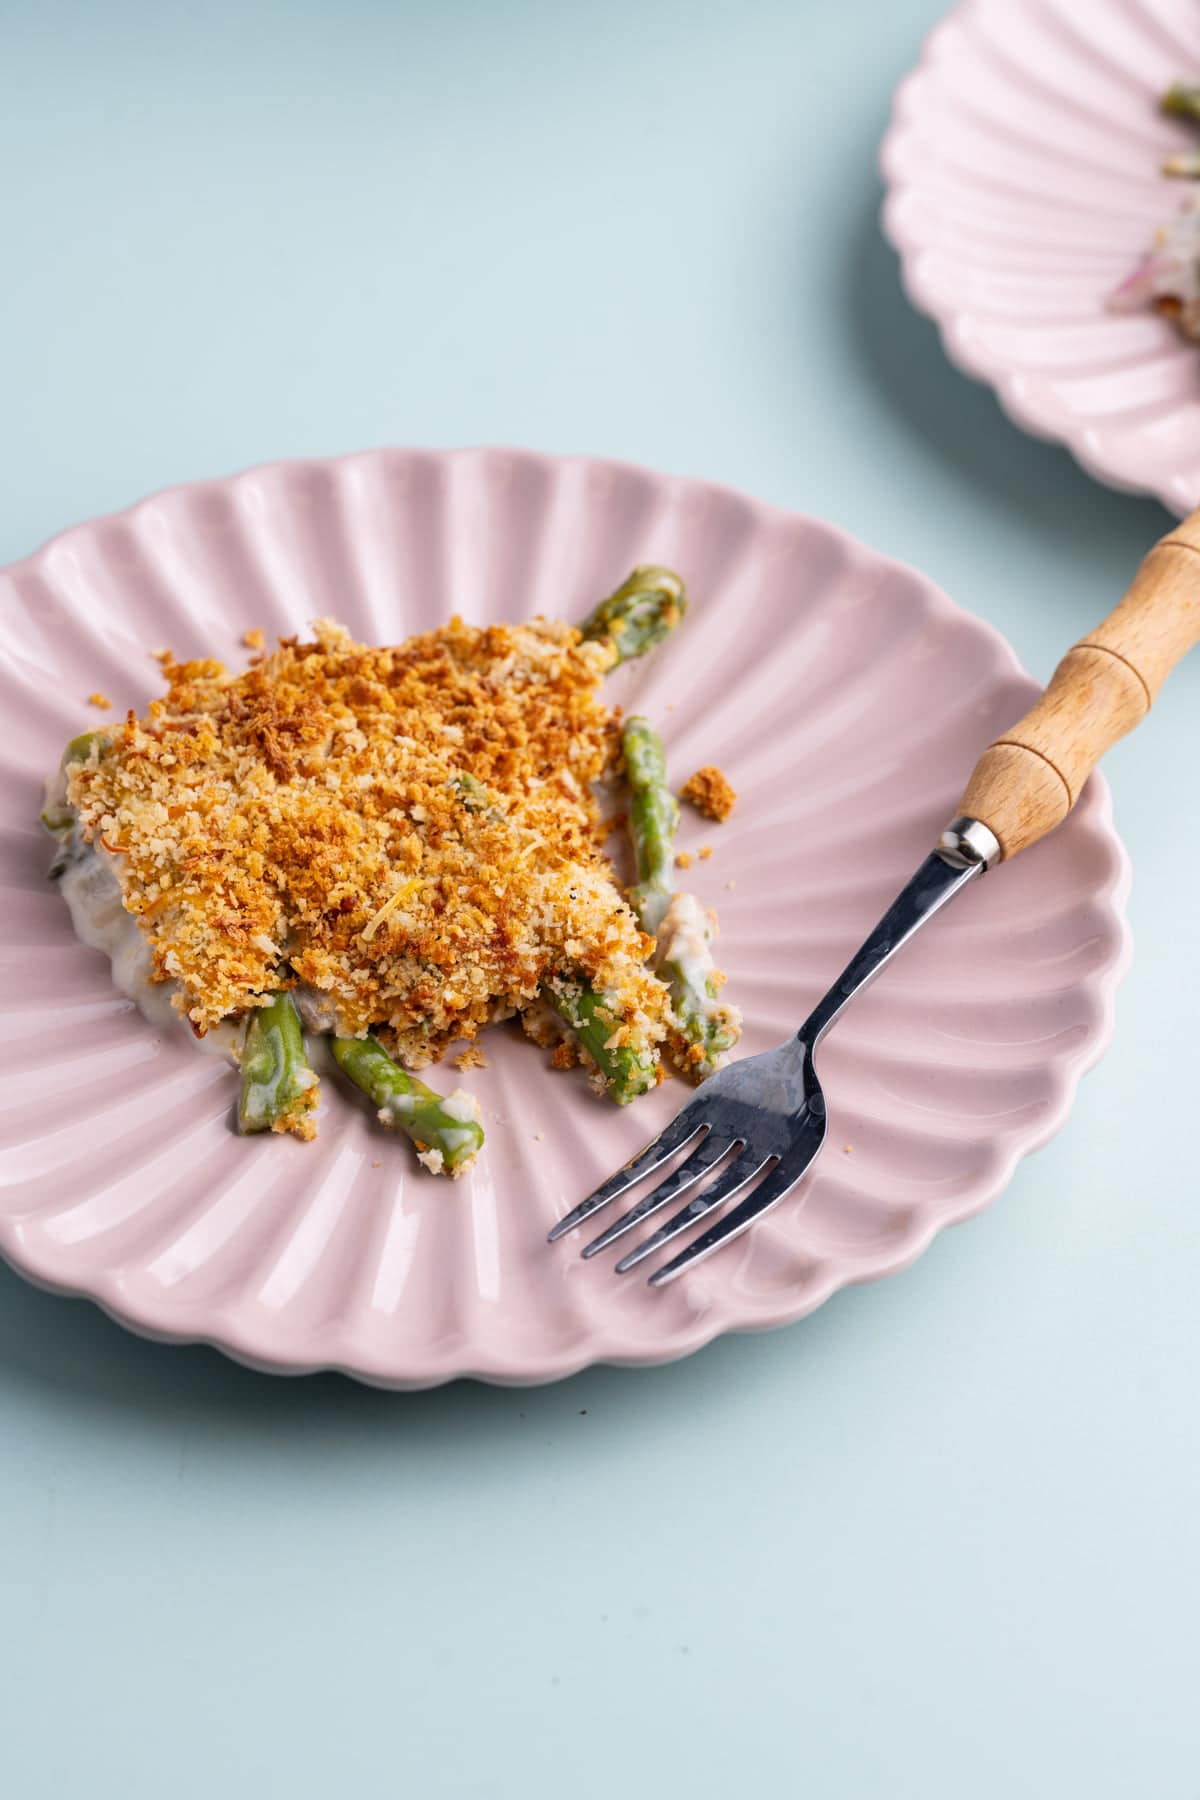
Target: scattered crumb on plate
<point x="471" y="1058"/>
<point x="683" y="859"/>
<point x="704" y="852"/>
<point x="710" y="792"/>
<point x="253" y="638"/>
<point x="100" y="700"/>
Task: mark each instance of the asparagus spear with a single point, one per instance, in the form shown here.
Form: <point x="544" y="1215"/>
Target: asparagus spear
<point x="1182" y="99"/>
<point x="447" y="1132"/>
<point x="80" y="748"/>
<point x="654" y="817"/>
<point x="594" y="1020"/>
<point x="704" y="1028"/>
<point x="643" y="611"/>
<point x="57" y="814"/>
<point x="278" y="1089"/>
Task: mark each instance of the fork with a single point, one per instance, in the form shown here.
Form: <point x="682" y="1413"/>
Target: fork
<point x="754" y="1129"/>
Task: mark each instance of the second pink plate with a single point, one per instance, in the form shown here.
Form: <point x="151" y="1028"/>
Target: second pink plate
<point x="1023" y="169"/>
<point x="846" y="698"/>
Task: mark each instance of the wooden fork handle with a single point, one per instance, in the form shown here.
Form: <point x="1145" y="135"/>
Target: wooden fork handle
<point x="1028" y="780"/>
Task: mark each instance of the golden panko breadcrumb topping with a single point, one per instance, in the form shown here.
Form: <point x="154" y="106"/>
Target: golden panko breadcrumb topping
<point x="471" y="1058"/>
<point x="408" y="834"/>
<point x="299" y="1119"/>
<point x="710" y="792"/>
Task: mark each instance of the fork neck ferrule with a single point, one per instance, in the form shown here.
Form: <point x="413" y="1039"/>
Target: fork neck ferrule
<point x="969" y="843"/>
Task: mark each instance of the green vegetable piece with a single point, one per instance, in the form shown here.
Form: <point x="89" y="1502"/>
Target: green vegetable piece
<point x="1182" y="99"/>
<point x="643" y="611"/>
<point x="277" y="1085"/>
<point x="80" y="748"/>
<point x="702" y="1019"/>
<point x="58" y="815"/>
<point x="704" y="1029"/>
<point x="449" y="1127"/>
<point x="654" y="816"/>
<point x="594" y="1018"/>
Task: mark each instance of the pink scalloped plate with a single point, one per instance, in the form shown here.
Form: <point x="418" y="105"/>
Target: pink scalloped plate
<point x="845" y="696"/>
<point x="1023" y="168"/>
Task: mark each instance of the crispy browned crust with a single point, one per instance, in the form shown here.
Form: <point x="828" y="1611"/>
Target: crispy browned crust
<point x="311" y="811"/>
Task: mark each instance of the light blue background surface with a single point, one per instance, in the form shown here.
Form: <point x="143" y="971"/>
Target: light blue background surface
<point x="940" y="1541"/>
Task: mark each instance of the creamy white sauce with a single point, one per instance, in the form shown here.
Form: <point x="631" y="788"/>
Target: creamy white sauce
<point x="93" y="896"/>
<point x="684" y="938"/>
<point x="317" y="1011"/>
<point x="463" y="1106"/>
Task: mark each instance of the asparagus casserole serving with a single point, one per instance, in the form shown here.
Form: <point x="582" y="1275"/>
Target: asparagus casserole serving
<point x="1168" y="276"/>
<point x="392" y="848"/>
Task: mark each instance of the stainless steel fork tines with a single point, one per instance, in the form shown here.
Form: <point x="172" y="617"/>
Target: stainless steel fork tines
<point x="762" y="1120"/>
<point x="761" y="1117"/>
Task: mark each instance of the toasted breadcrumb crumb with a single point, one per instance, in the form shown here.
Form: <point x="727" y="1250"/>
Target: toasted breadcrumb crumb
<point x="846" y="1149"/>
<point x="565" y="1055"/>
<point x="704" y="852"/>
<point x="731" y="885"/>
<point x="298" y="1119"/>
<point x="683" y="859"/>
<point x="100" y="700"/>
<point x="710" y="792"/>
<point x="471" y="1058"/>
<point x="253" y="637"/>
<point x="543" y="1026"/>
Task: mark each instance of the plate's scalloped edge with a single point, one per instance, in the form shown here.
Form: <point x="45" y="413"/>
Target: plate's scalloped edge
<point x="962" y="351"/>
<point x="329" y="1351"/>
